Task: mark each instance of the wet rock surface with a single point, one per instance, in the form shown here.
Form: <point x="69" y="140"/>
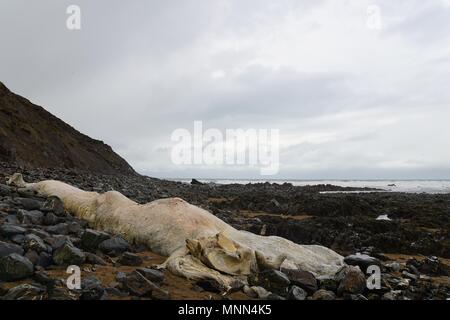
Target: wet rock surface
<point x="38" y="240"/>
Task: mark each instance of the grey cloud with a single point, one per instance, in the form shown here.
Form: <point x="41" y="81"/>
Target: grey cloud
<point x="138" y="70"/>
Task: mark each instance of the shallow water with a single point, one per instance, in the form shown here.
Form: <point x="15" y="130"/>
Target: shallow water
<point x="412" y="186"/>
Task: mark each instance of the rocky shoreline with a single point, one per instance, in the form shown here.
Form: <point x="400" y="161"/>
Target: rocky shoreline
<point x="38" y="240"/>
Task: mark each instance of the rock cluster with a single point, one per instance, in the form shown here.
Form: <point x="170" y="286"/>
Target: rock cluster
<point x="397" y="281"/>
<point x="38" y="237"/>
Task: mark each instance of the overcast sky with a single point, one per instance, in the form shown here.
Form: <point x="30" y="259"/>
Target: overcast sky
<point x="358" y="89"/>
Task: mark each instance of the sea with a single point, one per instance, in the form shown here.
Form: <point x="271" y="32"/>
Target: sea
<point x="409" y="186"/>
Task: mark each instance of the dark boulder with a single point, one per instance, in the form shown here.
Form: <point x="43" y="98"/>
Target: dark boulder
<point x="5" y="190"/>
<point x="130" y="259"/>
<point x="25" y="292"/>
<point x="296" y="293"/>
<point x="302" y="279"/>
<point x="9" y="230"/>
<point x="44" y="260"/>
<point x="55" y="205"/>
<point x="60" y="228"/>
<point x="8" y="248"/>
<point x="351" y="280"/>
<point x="94" y="259"/>
<point x="134" y="284"/>
<point x="29" y="204"/>
<point x="272" y="280"/>
<point x="92" y="289"/>
<point x="33" y="256"/>
<point x="50" y="219"/>
<point x="153" y="275"/>
<point x="91" y="239"/>
<point x="68" y="254"/>
<point x="15" y="267"/>
<point x="34" y="217"/>
<point x="35" y="243"/>
<point x="114" y="246"/>
<point x="196" y="182"/>
<point x="363" y="261"/>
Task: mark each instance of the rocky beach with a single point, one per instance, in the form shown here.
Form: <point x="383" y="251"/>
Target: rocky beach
<point x="39" y="239"/>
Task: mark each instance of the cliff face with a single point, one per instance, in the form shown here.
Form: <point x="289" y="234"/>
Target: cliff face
<point x="31" y="136"/>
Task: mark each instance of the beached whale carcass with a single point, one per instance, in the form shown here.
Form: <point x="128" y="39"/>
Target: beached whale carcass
<point x="199" y="246"/>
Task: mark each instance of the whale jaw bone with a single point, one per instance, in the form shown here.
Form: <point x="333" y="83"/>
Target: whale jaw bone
<point x="16" y="180"/>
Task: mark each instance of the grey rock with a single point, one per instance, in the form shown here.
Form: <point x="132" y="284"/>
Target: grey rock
<point x="393" y="266"/>
<point x="5" y="190"/>
<point x="92" y="289"/>
<point x="153" y="275"/>
<point x="55" y="205"/>
<point x="29" y="204"/>
<point x="363" y="261"/>
<point x="302" y="279"/>
<point x="272" y="280"/>
<point x="33" y="256"/>
<point x="68" y="255"/>
<point x="114" y="246"/>
<point x="134" y="284"/>
<point x="50" y="219"/>
<point x="94" y="259"/>
<point x="10" y="230"/>
<point x="30" y="217"/>
<point x="351" y="280"/>
<point x="296" y="293"/>
<point x="44" y="260"/>
<point x="35" y="243"/>
<point x="40" y="233"/>
<point x="26" y="193"/>
<point x="138" y="285"/>
<point x="75" y="228"/>
<point x="8" y="248"/>
<point x="58" y="241"/>
<point x="18" y="238"/>
<point x="130" y="259"/>
<point x="25" y="292"/>
<point x="44" y="279"/>
<point x="15" y="267"/>
<point x="91" y="239"/>
<point x="12" y="219"/>
<point x="60" y="228"/>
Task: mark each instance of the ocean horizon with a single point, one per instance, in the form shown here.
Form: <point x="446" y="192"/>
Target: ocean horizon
<point x="388" y="185"/>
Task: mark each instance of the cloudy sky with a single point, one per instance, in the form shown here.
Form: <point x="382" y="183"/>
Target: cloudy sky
<point x="358" y="89"/>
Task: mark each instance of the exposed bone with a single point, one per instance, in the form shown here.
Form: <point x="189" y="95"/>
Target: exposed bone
<point x="266" y="264"/>
<point x="199" y="245"/>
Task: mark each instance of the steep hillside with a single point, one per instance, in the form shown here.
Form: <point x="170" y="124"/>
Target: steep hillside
<point x="31" y="136"/>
